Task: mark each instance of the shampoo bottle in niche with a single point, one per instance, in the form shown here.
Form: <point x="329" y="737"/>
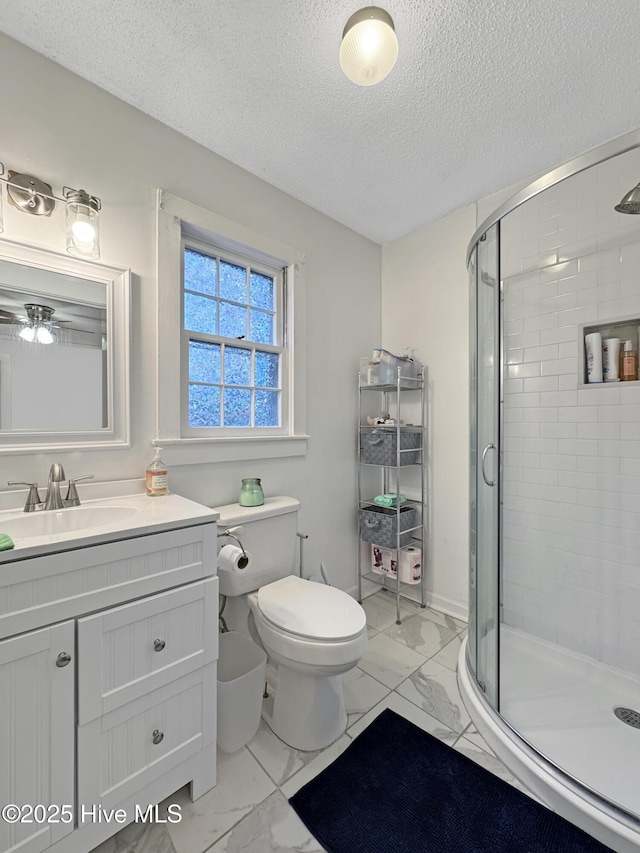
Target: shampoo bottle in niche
<point x="611" y="359"/>
<point x="157" y="477"/>
<point x="593" y="350"/>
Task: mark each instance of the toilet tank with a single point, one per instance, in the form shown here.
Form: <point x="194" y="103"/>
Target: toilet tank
<point x="268" y="535"/>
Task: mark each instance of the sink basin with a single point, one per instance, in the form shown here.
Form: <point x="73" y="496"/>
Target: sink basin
<point x="109" y="518"/>
<point x="53" y="522"/>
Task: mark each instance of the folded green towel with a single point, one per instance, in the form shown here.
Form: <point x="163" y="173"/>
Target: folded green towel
<point x="388" y="500"/>
<point x="6" y="542"/>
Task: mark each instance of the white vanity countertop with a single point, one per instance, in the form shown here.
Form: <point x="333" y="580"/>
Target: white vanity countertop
<point x="96" y="522"/>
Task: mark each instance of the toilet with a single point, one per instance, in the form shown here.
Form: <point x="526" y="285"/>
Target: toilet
<point x="311" y="632"/>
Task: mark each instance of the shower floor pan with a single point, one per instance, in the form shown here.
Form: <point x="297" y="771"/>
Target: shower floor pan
<point x="563" y="704"/>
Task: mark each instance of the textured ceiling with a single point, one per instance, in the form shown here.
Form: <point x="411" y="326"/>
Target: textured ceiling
<point x="485" y="92"/>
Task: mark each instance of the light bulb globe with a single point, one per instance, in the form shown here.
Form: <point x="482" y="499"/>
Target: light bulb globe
<point x="44" y="336"/>
<point x="369" y="48"/>
<point x="27" y="334"/>
<point x="83" y="228"/>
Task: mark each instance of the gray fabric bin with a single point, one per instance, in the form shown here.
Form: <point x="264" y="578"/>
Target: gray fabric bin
<point x="379" y="525"/>
<point x="379" y="447"/>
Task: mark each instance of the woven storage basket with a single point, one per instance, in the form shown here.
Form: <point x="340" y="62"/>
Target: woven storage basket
<point x="379" y="525"/>
<point x="379" y="447"/>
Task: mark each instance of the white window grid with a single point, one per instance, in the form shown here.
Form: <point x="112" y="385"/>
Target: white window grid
<point x="280" y="332"/>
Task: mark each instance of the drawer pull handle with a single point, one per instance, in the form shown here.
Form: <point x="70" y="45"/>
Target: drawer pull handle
<point x="63" y="659"/>
<point x="158" y="645"/>
<point x="158" y="736"/>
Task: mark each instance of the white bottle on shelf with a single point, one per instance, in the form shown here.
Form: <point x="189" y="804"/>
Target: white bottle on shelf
<point x="611" y="359"/>
<point x="593" y="349"/>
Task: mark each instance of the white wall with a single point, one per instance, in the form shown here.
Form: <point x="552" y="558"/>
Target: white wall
<point x="425" y="304"/>
<point x="67" y="131"/>
<point x="571" y="505"/>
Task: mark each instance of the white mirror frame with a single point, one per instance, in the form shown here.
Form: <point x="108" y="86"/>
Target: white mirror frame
<point x="118" y="293"/>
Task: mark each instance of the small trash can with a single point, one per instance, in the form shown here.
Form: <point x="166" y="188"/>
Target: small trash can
<point x="241" y="673"/>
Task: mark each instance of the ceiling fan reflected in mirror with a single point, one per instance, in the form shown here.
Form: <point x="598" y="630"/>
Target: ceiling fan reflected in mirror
<point x="38" y="326"/>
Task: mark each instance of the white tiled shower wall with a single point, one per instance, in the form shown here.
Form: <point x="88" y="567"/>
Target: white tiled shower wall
<point x="571" y="511"/>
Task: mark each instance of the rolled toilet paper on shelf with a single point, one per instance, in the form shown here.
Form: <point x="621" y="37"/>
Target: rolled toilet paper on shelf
<point x="233" y="559"/>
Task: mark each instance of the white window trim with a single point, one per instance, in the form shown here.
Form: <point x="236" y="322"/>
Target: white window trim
<point x="285" y="353"/>
<point x="175" y="215"/>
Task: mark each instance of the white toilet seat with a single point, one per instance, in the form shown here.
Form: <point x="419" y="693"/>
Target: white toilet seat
<point x="310" y="624"/>
<point x="311" y="610"/>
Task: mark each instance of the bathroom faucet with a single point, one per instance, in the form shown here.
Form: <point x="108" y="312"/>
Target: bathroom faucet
<point x="53" y="499"/>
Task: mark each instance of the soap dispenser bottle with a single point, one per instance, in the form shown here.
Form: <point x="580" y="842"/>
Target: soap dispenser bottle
<point x="157" y="477"/>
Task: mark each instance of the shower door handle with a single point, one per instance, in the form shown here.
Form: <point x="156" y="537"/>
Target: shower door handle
<point x="484" y="459"/>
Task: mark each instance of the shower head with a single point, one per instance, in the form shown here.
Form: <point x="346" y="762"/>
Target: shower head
<point x="630" y="202"/>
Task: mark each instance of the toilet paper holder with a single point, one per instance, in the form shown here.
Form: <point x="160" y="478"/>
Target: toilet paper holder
<point x="232" y="533"/>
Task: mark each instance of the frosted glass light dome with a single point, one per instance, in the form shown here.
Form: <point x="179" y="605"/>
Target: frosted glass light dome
<point x="369" y="46"/>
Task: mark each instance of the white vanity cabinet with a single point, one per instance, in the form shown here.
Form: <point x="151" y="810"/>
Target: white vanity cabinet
<point x="107" y="678"/>
<point x="37" y="693"/>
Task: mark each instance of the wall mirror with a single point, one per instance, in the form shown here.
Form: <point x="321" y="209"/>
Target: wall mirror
<point x="64" y="352"/>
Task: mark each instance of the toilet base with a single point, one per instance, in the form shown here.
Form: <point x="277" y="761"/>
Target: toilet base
<point x="308" y="711"/>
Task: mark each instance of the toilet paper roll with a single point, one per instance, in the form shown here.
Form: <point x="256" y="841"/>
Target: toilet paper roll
<point x="233" y="559"/>
<point x="410" y="565"/>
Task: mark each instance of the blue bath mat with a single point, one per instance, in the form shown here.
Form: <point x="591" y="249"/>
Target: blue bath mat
<point x="397" y="789"/>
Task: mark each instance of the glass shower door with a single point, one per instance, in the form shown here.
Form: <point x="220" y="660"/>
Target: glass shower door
<point x="485" y="468"/>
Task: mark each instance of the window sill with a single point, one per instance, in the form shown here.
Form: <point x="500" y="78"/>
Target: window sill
<point x="195" y="451"/>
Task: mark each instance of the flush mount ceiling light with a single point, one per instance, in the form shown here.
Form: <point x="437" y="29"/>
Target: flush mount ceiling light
<point x="369" y="46"/>
<point x="31" y="195"/>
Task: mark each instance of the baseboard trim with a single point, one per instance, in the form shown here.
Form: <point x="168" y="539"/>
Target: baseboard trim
<point x="457" y="609"/>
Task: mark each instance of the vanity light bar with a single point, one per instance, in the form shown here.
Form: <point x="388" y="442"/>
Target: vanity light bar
<point x="30" y="194"/>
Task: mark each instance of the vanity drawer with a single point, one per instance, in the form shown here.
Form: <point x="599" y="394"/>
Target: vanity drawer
<point x="131" y="650"/>
<point x="133" y="746"/>
<point x="44" y="590"/>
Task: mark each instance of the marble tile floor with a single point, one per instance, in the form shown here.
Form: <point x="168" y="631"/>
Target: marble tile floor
<point x="409" y="668"/>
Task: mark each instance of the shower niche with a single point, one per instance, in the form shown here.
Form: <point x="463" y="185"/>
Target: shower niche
<point x="625" y="329"/>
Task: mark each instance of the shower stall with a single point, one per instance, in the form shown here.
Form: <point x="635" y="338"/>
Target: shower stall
<point x="550" y="672"/>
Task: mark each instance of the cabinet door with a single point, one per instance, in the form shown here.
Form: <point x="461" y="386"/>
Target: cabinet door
<point x="36" y="734"/>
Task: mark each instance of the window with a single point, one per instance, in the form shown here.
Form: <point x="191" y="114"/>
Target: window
<point x="233" y="341"/>
<point x="232" y="352"/>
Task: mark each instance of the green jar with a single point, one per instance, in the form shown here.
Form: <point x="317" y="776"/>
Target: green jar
<point x="251" y="493"/>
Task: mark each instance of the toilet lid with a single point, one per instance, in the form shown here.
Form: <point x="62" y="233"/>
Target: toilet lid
<point x="311" y="609"/>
